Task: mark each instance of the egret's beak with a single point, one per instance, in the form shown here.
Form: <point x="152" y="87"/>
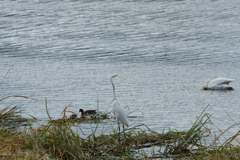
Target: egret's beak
<point x="115" y="75"/>
<point x="202" y="88"/>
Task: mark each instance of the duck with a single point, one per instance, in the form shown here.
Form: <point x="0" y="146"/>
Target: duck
<point x="73" y="116"/>
<point x="87" y="112"/>
<point x="218" y="84"/>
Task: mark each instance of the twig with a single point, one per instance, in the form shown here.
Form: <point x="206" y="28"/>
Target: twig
<point x="47" y="109"/>
<point x="108" y="106"/>
<point x="137" y="110"/>
<point x="8" y="71"/>
<point x="64" y="111"/>
<point x="20" y="96"/>
<point x="187" y="145"/>
<point x="166" y="148"/>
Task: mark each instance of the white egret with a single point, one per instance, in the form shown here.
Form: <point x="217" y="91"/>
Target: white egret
<point x="119" y="111"/>
<point x="218" y="84"/>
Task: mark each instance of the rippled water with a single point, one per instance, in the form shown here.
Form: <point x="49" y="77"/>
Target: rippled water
<point x="163" y="52"/>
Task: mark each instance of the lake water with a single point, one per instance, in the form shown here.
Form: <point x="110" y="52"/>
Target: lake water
<point x="163" y="52"/>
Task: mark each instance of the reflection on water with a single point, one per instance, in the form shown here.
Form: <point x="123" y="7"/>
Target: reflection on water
<point x="163" y="53"/>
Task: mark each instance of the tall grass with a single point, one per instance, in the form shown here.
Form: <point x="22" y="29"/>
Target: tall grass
<point x="191" y="140"/>
<point x="11" y="118"/>
<point x="57" y="140"/>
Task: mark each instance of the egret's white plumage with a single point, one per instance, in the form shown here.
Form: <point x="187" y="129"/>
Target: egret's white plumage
<point x="120" y="113"/>
<point x="218" y="84"/>
<point x="118" y="110"/>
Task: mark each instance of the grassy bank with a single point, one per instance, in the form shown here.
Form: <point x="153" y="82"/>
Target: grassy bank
<point x="57" y="140"/>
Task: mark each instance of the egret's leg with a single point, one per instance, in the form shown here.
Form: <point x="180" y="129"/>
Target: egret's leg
<point x="119" y="131"/>
<point x="124" y="132"/>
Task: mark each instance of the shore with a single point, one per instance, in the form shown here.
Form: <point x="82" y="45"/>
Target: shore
<point x="57" y="140"/>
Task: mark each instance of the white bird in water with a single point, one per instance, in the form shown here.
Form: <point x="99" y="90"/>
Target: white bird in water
<point x="218" y="84"/>
<point x="119" y="111"/>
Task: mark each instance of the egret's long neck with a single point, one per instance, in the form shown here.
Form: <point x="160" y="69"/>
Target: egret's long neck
<point x="113" y="88"/>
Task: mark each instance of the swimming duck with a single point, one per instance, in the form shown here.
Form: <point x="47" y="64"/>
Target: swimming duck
<point x="73" y="116"/>
<point x="87" y="112"/>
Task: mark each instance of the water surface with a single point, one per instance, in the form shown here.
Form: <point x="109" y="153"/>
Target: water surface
<point x="163" y="52"/>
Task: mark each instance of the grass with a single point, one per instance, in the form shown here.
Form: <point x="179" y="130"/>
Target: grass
<point x="10" y="118"/>
<point x="56" y="140"/>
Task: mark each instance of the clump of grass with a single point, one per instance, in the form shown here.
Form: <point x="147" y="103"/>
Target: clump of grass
<point x="57" y="140"/>
<point x="226" y="150"/>
<point x="191" y="140"/>
<point x="12" y="145"/>
<point x="11" y="118"/>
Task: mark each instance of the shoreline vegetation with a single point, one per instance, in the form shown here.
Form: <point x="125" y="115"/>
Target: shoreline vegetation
<point x="57" y="140"/>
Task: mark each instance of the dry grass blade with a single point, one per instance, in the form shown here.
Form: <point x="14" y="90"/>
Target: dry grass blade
<point x="228" y="142"/>
<point x="19" y="96"/>
<point x="8" y="71"/>
<point x="65" y="110"/>
<point x="108" y="106"/>
<point x="47" y="109"/>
